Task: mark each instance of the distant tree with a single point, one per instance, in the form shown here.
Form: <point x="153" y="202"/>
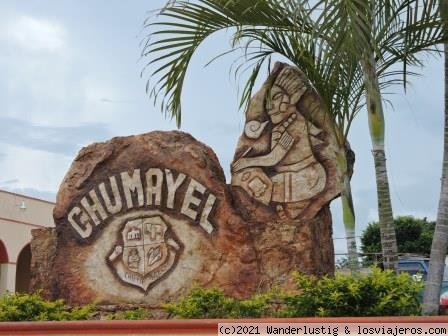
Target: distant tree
<point x="414" y="235"/>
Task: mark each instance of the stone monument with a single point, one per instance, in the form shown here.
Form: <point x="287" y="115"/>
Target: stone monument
<point x="141" y="219"/>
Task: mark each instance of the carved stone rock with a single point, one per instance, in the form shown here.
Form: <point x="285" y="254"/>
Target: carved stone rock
<point x="142" y="219"/>
<point x="284" y="175"/>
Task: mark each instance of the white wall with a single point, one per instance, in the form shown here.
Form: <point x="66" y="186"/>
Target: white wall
<point x="19" y="214"/>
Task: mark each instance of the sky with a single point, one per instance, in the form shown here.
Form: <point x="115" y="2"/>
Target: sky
<point x="70" y="75"/>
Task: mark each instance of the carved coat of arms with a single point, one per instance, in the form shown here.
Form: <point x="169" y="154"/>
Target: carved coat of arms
<point x="146" y="253"/>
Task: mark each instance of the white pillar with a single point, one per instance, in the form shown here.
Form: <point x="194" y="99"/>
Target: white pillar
<point x="7" y="278"/>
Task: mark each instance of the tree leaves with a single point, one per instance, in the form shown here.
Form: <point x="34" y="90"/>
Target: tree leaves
<point x="326" y="41"/>
<point x="260" y="28"/>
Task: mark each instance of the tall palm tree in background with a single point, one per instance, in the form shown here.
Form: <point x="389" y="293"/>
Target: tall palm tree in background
<point x="345" y="47"/>
<point x="381" y="34"/>
<point x="440" y="239"/>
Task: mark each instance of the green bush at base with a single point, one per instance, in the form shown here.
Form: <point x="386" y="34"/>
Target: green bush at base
<point x="31" y="307"/>
<point x="381" y="293"/>
<point x="213" y="303"/>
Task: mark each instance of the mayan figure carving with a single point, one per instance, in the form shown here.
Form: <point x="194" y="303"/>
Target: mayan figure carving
<point x="275" y="161"/>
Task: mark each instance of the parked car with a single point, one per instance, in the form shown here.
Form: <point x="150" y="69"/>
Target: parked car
<point x="418" y="268"/>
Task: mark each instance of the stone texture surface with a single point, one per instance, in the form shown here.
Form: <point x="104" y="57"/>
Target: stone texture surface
<point x="43" y="251"/>
<point x="124" y="236"/>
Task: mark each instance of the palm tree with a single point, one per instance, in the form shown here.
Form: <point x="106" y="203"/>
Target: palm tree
<point x="348" y="40"/>
<point x="381" y="34"/>
<point x="440" y="239"/>
<point x="261" y="29"/>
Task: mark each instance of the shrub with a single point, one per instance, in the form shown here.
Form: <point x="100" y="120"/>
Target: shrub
<point x="259" y="305"/>
<point x="213" y="303"/>
<point x="202" y="303"/>
<point x="381" y="293"/>
<point x="31" y="307"/>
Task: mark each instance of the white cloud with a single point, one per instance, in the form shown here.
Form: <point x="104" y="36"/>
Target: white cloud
<point x="49" y="82"/>
<point x="28" y="167"/>
<point x="101" y="95"/>
<point x="35" y="35"/>
<point x="35" y="63"/>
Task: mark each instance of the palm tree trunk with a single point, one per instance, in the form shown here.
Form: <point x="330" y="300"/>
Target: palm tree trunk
<point x="349" y="225"/>
<point x="440" y="239"/>
<point x="348" y="215"/>
<point x="376" y="127"/>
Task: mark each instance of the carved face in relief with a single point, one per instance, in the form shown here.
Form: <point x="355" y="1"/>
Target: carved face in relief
<point x="279" y="104"/>
<point x="285" y="93"/>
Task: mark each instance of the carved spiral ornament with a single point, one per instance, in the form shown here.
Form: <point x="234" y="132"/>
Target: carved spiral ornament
<point x="254" y="128"/>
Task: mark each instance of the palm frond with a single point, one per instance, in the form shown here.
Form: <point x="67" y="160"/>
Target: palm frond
<point x="183" y="25"/>
<point x="326" y="40"/>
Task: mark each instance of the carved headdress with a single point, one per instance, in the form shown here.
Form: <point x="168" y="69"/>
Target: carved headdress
<point x="290" y="80"/>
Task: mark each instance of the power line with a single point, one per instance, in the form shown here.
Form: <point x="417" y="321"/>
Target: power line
<point x="347" y="237"/>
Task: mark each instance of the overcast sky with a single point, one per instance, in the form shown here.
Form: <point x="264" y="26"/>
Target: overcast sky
<point x="70" y="76"/>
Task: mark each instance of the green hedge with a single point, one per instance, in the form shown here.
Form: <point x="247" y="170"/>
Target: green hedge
<point x="381" y="293"/>
<point x="32" y="307"/>
<point x="213" y="303"/>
